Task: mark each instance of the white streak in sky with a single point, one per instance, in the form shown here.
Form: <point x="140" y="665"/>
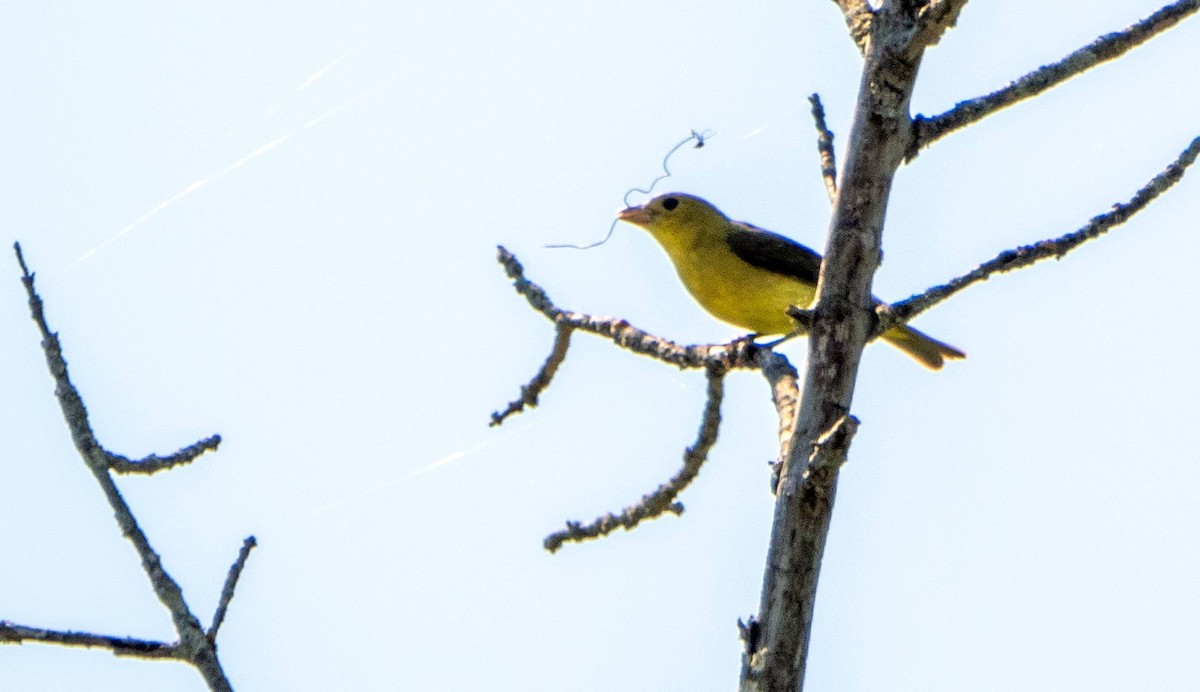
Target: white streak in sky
<point x="436" y="464"/>
<point x="336" y="110"/>
<point x="322" y="72"/>
<point x="217" y="176"/>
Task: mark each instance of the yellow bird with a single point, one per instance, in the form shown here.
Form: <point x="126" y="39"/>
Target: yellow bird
<point x="747" y="276"/>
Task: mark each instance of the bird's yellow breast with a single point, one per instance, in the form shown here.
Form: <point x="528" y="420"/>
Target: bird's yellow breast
<point x="736" y="292"/>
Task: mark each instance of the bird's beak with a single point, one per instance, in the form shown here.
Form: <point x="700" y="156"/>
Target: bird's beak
<point x="638" y="216"/>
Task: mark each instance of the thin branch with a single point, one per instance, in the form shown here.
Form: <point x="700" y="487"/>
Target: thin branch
<point x="663" y="498"/>
<point x="531" y="391"/>
<point x="193" y="645"/>
<point x="121" y="646"/>
<point x="737" y="354"/>
<point x="785" y="394"/>
<point x="716" y="359"/>
<point x="935" y="19"/>
<point x="1107" y="47"/>
<point x="231" y="580"/>
<point x="859" y="17"/>
<point x="824" y="147"/>
<point x="1010" y="260"/>
<point x="749" y="632"/>
<point x="154" y="463"/>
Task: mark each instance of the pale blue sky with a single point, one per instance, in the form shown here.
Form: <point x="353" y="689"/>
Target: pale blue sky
<point x="277" y="222"/>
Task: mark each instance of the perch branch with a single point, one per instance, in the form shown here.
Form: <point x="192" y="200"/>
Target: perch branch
<point x="716" y="359"/>
<point x="737" y="354"/>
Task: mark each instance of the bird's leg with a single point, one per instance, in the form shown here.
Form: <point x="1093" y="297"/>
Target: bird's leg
<point x="749" y="338"/>
<point x="803" y="320"/>
<point x="800" y="331"/>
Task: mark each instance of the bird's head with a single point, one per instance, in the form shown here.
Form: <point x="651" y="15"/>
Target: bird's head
<point x="674" y="214"/>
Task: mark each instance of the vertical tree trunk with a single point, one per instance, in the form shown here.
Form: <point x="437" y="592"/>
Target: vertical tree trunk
<point x="842" y="323"/>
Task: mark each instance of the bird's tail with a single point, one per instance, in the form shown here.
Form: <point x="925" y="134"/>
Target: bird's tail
<point x="925" y="349"/>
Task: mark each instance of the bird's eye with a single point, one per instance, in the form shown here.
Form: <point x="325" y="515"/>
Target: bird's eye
<point x="670" y="203"/>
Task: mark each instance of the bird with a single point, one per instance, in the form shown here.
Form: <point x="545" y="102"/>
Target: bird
<point x="747" y="276"/>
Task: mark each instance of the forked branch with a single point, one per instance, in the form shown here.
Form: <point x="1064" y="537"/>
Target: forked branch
<point x="715" y="359"/>
<point x="195" y="646"/>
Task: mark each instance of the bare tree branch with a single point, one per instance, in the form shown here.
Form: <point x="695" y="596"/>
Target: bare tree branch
<point x="881" y="137"/>
<point x="153" y="463"/>
<point x="231" y="580"/>
<point x="859" y="15"/>
<point x="1056" y="248"/>
<point x="737" y="354"/>
<point x="824" y="147"/>
<point x="809" y="516"/>
<point x="841" y="326"/>
<point x="663" y="498"/>
<point x="1107" y="47"/>
<point x="11" y="633"/>
<point x="785" y="394"/>
<point x="716" y="359"/>
<point x="531" y="391"/>
<point x="815" y="424"/>
<point x="194" y="646"/>
<point x="935" y="19"/>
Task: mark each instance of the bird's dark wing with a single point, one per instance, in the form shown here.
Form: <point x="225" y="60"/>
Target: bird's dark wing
<point x="773" y="252"/>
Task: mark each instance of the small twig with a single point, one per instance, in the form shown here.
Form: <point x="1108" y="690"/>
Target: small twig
<point x="830" y="449"/>
<point x="121" y="646"/>
<point x="926" y="130"/>
<point x="663" y="498"/>
<point x="859" y="17"/>
<point x="538" y="300"/>
<point x="825" y="147"/>
<point x="905" y="310"/>
<point x="804" y="317"/>
<point x="531" y="391"/>
<point x="748" y="633"/>
<point x="935" y="19"/>
<point x="154" y="463"/>
<point x="231" y="580"/>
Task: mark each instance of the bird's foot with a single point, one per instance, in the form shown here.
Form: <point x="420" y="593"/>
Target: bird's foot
<point x="780" y="340"/>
